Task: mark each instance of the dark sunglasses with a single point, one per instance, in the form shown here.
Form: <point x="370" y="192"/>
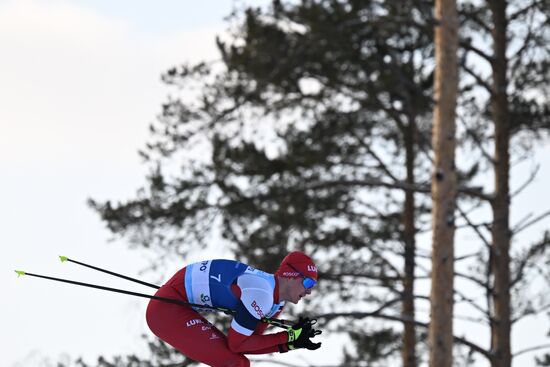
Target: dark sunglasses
<point x="307" y="282"/>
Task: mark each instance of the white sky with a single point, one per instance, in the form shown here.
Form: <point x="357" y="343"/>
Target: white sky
<point x="79" y="84"/>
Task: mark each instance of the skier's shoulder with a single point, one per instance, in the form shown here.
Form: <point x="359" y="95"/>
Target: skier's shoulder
<point x="257" y="289"/>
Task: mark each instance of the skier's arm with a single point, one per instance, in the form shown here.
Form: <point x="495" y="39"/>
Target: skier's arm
<point x="257" y="344"/>
<point x="241" y="337"/>
<point x="262" y="326"/>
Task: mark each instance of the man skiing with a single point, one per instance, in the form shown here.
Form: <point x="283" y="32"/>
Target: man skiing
<point x="252" y="294"/>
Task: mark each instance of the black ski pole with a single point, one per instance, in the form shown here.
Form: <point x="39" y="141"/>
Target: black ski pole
<point x="65" y="258"/>
<point x="123" y="291"/>
<point x="276" y="322"/>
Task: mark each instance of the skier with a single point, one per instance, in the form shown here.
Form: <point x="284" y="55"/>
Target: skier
<point x="251" y="293"/>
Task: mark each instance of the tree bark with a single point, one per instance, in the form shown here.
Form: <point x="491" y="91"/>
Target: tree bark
<point x="500" y="257"/>
<point x="440" y="339"/>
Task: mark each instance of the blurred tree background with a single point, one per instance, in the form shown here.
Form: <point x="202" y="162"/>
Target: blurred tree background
<point x="313" y="132"/>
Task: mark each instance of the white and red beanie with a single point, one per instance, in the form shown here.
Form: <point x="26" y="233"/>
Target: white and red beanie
<point x="297" y="264"/>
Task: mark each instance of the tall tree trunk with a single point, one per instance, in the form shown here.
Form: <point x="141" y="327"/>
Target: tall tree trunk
<point x="443" y="185"/>
<point x="500" y="265"/>
<point x="409" y="337"/>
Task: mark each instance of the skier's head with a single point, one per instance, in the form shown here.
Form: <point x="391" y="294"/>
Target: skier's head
<point x="298" y="265"/>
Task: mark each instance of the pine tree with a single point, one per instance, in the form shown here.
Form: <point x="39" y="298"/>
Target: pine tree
<point x="341" y="88"/>
<point x="314" y="133"/>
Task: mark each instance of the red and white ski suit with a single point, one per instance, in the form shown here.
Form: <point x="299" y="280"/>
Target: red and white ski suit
<point x="251" y="293"/>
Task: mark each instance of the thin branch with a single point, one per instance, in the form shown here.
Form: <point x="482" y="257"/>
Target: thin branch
<point x="531" y="349"/>
<point x="384" y="260"/>
<point x="524" y="10"/>
<point x="478" y="78"/>
<point x="459" y="258"/>
<point x="479" y="143"/>
<point x="474" y="207"/>
<point x="469" y="47"/>
<point x="471" y="278"/>
<point x="517" y="58"/>
<point x="473" y="225"/>
<point x="529" y="180"/>
<point x="485" y="241"/>
<point x="380" y="162"/>
<point x="472" y="303"/>
<point x="530" y="223"/>
<point x="521" y="222"/>
<point x="461" y="340"/>
<point x="388" y="304"/>
<point x="474" y="16"/>
<point x="464" y="257"/>
<point x="336" y="276"/>
<point x="476" y="320"/>
<point x="531" y="313"/>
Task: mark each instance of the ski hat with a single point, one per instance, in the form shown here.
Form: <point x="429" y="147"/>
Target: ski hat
<point x="297" y="264"/>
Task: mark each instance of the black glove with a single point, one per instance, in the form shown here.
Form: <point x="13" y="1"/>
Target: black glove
<point x="299" y="335"/>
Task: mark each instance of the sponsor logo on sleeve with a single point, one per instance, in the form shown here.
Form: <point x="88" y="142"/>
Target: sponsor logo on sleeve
<point x="257" y="308"/>
<point x="205" y="298"/>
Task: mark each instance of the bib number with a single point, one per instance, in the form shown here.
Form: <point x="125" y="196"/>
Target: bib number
<point x="218" y="278"/>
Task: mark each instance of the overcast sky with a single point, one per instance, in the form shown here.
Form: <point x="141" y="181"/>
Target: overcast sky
<point x="79" y="84"/>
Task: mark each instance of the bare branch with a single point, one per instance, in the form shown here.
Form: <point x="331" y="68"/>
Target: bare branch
<point x="474" y="16"/>
<point x="479" y="144"/>
<point x="471" y="278"/>
<point x="469" y="47"/>
<point x="472" y="303"/>
<point x="478" y="78"/>
<point x="524" y="10"/>
<point x="461" y="340"/>
<point x="530" y="223"/>
<point x="475" y="227"/>
<point x="336" y="276"/>
<point x="518" y="56"/>
<point x="529" y="179"/>
<point x="531" y="313"/>
<point x="464" y="257"/>
<point x="380" y="162"/>
<point x="476" y="320"/>
<point x="521" y="222"/>
<point x="531" y="349"/>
